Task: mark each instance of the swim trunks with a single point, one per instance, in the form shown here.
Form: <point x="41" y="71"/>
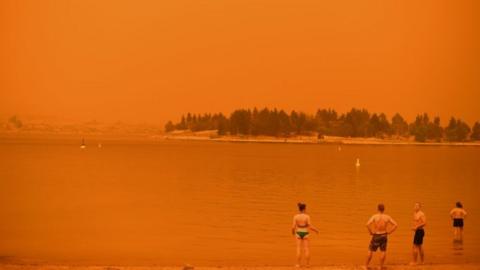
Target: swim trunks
<point x="458" y="222"/>
<point x="302" y="234"/>
<point x="418" y="237"/>
<point x="378" y="241"/>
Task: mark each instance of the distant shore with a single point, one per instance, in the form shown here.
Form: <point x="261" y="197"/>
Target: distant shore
<point x="211" y="135"/>
<point x="329" y="267"/>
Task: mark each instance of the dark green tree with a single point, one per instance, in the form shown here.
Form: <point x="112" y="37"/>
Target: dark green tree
<point x="374" y="126"/>
<point x="15" y="121"/>
<point x="298" y="121"/>
<point x="326" y="120"/>
<point x="419" y="127"/>
<point x="457" y="130"/>
<point x="284" y="123"/>
<point x="434" y="130"/>
<point x="355" y="123"/>
<point x="240" y="122"/>
<point x="399" y="125"/>
<point x="475" y="136"/>
<point x="169" y="126"/>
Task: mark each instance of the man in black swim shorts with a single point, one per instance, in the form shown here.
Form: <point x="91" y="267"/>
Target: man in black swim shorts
<point x="419" y="222"/>
<point x="378" y="226"/>
<point x="458" y="214"/>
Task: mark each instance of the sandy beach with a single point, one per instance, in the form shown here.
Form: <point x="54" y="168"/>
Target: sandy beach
<point x="332" y="267"/>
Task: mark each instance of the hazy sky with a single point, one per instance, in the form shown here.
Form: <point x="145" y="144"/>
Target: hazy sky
<point x="154" y="60"/>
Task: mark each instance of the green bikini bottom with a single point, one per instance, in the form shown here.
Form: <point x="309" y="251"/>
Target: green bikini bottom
<point x="301" y="234"/>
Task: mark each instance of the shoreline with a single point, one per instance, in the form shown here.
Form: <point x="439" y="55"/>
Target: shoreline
<point x="204" y="136"/>
<point x="211" y="136"/>
<point x="6" y="266"/>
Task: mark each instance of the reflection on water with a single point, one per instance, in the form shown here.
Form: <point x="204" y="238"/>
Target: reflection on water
<point x="457" y="247"/>
<point x="224" y="203"/>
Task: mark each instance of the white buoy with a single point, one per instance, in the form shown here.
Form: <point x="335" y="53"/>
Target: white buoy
<point x="358" y="163"/>
<point x="339" y="148"/>
<point x="99" y="145"/>
<point x="83" y="146"/>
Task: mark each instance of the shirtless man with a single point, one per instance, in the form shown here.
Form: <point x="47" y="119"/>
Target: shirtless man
<point x="458" y="214"/>
<point x="300" y="229"/>
<point x="377" y="226"/>
<point x="419" y="222"/>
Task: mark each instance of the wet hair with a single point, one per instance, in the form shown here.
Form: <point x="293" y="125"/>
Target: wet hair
<point x="301" y="206"/>
<point x="381" y="207"/>
<point x="459" y="205"/>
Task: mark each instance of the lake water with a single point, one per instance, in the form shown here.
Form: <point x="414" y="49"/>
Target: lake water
<point x="210" y="203"/>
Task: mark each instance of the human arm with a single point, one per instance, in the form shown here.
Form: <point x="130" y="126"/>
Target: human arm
<point x="294" y="226"/>
<point x="394" y="225"/>
<point x="311" y="227"/>
<point x="369" y="227"/>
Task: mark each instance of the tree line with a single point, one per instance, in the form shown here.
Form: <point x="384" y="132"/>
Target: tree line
<point x="327" y="122"/>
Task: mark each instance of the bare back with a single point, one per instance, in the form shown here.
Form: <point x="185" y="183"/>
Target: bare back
<point x="458" y="213"/>
<point x="379" y="223"/>
<point x="301" y="220"/>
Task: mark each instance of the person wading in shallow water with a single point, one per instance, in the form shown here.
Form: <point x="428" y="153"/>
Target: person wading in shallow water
<point x="419" y="222"/>
<point x="458" y="214"/>
<point x="300" y="229"/>
<point x="377" y="226"/>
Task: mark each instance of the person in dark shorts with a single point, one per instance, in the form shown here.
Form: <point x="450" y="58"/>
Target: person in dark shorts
<point x="419" y="222"/>
<point x="458" y="214"/>
<point x="378" y="227"/>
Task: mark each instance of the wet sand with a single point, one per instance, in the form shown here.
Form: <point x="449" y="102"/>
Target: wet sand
<point x="332" y="267"/>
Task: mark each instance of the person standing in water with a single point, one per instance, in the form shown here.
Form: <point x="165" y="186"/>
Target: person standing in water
<point x="377" y="226"/>
<point x="300" y="229"/>
<point x="419" y="222"/>
<point x="458" y="214"/>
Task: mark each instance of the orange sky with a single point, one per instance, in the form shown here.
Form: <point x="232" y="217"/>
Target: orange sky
<point x="154" y="60"/>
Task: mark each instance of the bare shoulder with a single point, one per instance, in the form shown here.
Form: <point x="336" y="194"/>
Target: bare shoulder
<point x="388" y="218"/>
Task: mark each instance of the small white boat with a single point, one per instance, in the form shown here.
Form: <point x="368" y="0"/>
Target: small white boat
<point x="357" y="164"/>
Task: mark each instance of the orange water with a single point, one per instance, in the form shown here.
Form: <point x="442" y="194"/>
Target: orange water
<point x="207" y="203"/>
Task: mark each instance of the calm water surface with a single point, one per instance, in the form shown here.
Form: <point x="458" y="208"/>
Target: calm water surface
<point x="208" y="203"/>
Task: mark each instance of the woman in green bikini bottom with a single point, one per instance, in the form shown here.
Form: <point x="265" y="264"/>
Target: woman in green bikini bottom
<point x="300" y="229"/>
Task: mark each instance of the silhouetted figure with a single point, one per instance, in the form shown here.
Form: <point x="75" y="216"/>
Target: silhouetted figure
<point x="377" y="226"/>
<point x="419" y="222"/>
<point x="458" y="214"/>
<point x="300" y="229"/>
